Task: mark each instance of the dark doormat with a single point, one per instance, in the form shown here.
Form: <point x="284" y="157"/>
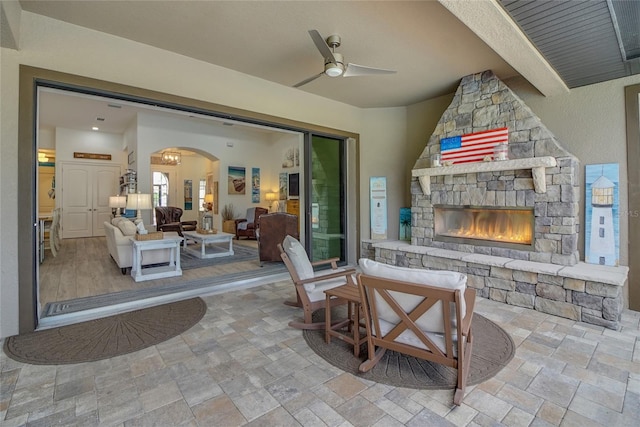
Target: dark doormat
<point x="493" y="348"/>
<point x="107" y="337"/>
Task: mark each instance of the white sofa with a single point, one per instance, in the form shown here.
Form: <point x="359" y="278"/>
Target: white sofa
<point x="121" y="246"/>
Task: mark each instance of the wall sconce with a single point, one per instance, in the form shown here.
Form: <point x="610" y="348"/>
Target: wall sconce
<point x="271" y="197"/>
<point x="117" y="202"/>
<point x="171" y="157"/>
<point x="138" y="201"/>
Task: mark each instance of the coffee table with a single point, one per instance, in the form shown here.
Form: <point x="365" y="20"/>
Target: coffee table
<point x="211" y="245"/>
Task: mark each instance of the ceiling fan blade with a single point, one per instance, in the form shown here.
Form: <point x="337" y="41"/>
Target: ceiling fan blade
<point x="354" y="70"/>
<point x="322" y="45"/>
<point x="309" y="80"/>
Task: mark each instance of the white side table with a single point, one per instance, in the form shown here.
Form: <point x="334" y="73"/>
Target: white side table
<point x="170" y="241"/>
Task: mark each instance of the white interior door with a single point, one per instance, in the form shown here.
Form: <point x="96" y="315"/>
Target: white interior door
<point x="85" y="198"/>
<point x="105" y="184"/>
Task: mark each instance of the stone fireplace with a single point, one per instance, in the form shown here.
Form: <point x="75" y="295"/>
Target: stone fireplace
<point x="512" y="226"/>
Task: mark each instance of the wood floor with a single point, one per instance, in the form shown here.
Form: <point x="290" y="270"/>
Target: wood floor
<point x="83" y="267"/>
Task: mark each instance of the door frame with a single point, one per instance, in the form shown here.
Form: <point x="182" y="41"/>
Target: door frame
<point x="32" y="77"/>
<point x="632" y="107"/>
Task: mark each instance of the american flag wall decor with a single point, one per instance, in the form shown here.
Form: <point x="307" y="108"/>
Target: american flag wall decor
<point x="473" y="147"/>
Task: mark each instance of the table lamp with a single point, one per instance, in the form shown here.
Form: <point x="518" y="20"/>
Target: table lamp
<point x="138" y="201"/>
<point x="271" y="197"/>
<point x="117" y="202"/>
<point x="208" y="202"/>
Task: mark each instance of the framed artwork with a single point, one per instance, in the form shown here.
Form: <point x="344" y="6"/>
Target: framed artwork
<point x="405" y="223"/>
<point x="602" y="222"/>
<point x="283" y="186"/>
<point x="188" y="194"/>
<point x="236" y="180"/>
<point x="255" y="185"/>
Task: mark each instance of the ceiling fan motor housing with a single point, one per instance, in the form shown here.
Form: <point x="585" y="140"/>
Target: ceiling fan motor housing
<point x="334" y="69"/>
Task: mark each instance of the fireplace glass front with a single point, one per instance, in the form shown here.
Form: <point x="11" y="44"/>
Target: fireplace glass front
<point x="487" y="226"/>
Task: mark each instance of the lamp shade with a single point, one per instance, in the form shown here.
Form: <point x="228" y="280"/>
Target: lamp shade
<point x="117" y="201"/>
<point x="138" y="201"/>
<point x="208" y="198"/>
<point x="270" y="197"/>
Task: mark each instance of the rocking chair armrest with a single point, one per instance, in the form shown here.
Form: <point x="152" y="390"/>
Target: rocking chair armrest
<point x="470" y="301"/>
<point x="332" y="261"/>
<point x="337" y="274"/>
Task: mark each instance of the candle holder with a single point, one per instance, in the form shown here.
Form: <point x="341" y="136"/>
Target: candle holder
<point x="436" y="160"/>
<point x="501" y="152"/>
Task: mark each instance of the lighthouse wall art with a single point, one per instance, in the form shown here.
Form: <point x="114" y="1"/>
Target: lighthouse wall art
<point x="602" y="225"/>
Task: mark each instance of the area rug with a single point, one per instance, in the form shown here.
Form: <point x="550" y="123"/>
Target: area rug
<point x="493" y="348"/>
<point x="240" y="253"/>
<point x="107" y="337"/>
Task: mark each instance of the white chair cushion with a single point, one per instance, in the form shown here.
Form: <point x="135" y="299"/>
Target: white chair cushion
<point x="298" y="256"/>
<point x="127" y="227"/>
<point x="431" y="320"/>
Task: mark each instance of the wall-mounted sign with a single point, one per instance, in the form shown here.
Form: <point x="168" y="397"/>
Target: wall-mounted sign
<point x="92" y="156"/>
<point x="378" y="200"/>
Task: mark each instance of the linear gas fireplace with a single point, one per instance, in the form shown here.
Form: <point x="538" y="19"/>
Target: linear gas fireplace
<point x="487" y="226"/>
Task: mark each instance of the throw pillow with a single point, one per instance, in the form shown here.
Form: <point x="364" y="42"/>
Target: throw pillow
<point x="127" y="227"/>
<point x="115" y="221"/>
<point x="432" y="319"/>
<point x="298" y="256"/>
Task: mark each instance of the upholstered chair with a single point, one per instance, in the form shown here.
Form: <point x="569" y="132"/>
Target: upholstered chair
<point x="247" y="226"/>
<point x="274" y="227"/>
<point x="168" y="219"/>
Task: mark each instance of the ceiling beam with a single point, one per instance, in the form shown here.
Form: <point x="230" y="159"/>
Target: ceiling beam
<point x="489" y="21"/>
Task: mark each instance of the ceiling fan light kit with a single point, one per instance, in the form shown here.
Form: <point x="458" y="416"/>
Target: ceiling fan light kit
<point x="336" y="68"/>
<point x="334" y="65"/>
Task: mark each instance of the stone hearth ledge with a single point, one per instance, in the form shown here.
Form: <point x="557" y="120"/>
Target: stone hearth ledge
<point x="583" y="292"/>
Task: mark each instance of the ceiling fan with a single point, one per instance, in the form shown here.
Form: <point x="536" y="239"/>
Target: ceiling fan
<point x="334" y="65"/>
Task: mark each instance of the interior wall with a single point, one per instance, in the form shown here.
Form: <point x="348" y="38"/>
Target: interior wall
<point x="382" y="153"/>
<point x="231" y="145"/>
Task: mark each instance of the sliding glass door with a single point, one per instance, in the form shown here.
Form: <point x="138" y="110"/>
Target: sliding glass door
<point x="327" y="198"/>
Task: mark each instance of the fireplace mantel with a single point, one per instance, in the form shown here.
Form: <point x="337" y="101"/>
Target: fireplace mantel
<point x="536" y="164"/>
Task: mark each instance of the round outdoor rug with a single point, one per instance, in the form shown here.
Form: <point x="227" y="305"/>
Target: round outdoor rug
<point x="107" y="337"/>
<point x="493" y="348"/>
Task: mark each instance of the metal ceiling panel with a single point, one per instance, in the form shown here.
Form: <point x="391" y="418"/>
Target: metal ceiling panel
<point x="578" y="37"/>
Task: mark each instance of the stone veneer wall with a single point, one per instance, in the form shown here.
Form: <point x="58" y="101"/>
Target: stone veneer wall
<point x="483" y="102"/>
<point x="583" y="292"/>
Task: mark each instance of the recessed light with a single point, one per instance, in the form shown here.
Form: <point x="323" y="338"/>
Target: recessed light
<point x="95" y="128"/>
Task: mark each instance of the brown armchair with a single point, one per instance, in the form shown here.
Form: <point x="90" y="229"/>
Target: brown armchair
<point x="274" y="227"/>
<point x="168" y="219"/>
<point x="248" y="225"/>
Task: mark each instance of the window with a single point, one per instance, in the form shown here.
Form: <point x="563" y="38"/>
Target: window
<point x="160" y="189"/>
<point x="601" y="220"/>
<point x="601" y="232"/>
<point x="202" y="188"/>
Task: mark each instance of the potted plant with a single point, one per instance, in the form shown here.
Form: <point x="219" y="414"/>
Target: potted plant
<point x="229" y="215"/>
